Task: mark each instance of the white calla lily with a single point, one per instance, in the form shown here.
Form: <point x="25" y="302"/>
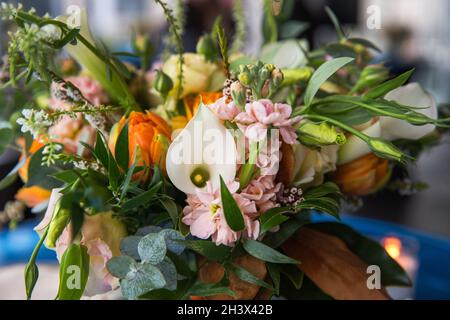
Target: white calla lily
<point x="414" y="96"/>
<point x="203" y="151"/>
<point x="355" y="147"/>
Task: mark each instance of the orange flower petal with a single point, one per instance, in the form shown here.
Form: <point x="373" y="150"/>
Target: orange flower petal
<point x="32" y="196"/>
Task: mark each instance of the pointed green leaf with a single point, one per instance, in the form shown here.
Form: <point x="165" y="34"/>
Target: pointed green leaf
<point x="263" y="252"/>
<point x="233" y="214"/>
<point x="121" y="151"/>
<point x="322" y="73"/>
<point x="389" y="85"/>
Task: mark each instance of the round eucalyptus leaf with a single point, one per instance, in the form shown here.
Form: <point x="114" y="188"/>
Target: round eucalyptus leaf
<point x="152" y="248"/>
<point x="172" y="238"/>
<point x="120" y="266"/>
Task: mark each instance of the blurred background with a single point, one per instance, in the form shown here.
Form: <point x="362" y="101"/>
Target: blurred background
<point x="411" y="33"/>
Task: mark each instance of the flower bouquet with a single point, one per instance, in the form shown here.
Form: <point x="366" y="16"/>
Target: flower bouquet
<point x="196" y="178"/>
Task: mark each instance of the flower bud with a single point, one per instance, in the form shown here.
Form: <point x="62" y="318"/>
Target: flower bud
<point x="163" y="83"/>
<point x="277" y="77"/>
<point x="238" y="93"/>
<point x="371" y="75"/>
<point x="312" y="134"/>
<point x="207" y="47"/>
<point x="57" y="225"/>
<point x="387" y="150"/>
<point x="244" y="78"/>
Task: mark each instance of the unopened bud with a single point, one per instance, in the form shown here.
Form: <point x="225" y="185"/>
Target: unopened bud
<point x="313" y="134"/>
<point x="385" y="149"/>
<point x="238" y="93"/>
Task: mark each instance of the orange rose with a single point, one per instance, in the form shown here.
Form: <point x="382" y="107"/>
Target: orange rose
<point x="191" y="104"/>
<point x="148" y="134"/>
<point x="362" y="176"/>
<point x="32" y="196"/>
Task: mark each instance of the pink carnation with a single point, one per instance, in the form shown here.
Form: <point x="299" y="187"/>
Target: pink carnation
<point x="206" y="219"/>
<point x="261" y="115"/>
<point x="224" y="110"/>
<point x="263" y="191"/>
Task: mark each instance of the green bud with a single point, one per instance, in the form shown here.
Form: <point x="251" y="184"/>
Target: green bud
<point x="277" y="77"/>
<point x="163" y="83"/>
<point x="244" y="78"/>
<point x="370" y="76"/>
<point x="313" y="134"/>
<point x="60" y="220"/>
<point x="264" y="73"/>
<point x="207" y="47"/>
<point x="385" y="149"/>
<point x="292" y="76"/>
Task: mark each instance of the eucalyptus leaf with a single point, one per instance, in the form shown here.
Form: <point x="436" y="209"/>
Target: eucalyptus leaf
<point x="152" y="248"/>
<point x="172" y="238"/>
<point x="169" y="272"/>
<point x="120" y="266"/>
<point x="129" y="246"/>
<point x="142" y="279"/>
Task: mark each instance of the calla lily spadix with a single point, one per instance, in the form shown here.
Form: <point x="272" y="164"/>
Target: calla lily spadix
<point x="203" y="151"/>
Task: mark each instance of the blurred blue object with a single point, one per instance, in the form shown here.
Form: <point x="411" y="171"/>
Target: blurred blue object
<point x="17" y="246"/>
<point x="433" y="280"/>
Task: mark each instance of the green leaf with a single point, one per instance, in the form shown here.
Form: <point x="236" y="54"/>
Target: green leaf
<point x="389" y="85"/>
<point x="335" y="22"/>
<point x="287" y="229"/>
<point x="6" y="135"/>
<point x="208" y="249"/>
<point x="172" y="210"/>
<point x="40" y="175"/>
<point x="113" y="173"/>
<point x="129" y="245"/>
<point x="69" y="37"/>
<point x="270" y="29"/>
<point x="101" y="151"/>
<point x="12" y="175"/>
<point x="144" y="278"/>
<point x="294" y="274"/>
<point x="233" y="214"/>
<point x="73" y="272"/>
<point x="322" y="73"/>
<point x="250" y="278"/>
<point x="293" y="28"/>
<point x="142" y="199"/>
<point x="337" y="50"/>
<point x="364" y="42"/>
<point x="369" y="251"/>
<point x="272" y="218"/>
<point x="172" y="239"/>
<point x="169" y="272"/>
<point x="274" y="272"/>
<point x="120" y="266"/>
<point x="209" y="289"/>
<point x="121" y="151"/>
<point x="152" y="248"/>
<point x="322" y="190"/>
<point x="324" y="204"/>
<point x="263" y="252"/>
<point x="67" y="176"/>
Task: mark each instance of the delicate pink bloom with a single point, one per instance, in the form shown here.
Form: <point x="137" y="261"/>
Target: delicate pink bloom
<point x="261" y="115"/>
<point x="204" y="215"/>
<point x="224" y="110"/>
<point x="263" y="191"/>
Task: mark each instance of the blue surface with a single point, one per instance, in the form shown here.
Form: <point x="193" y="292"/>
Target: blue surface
<point x="17" y="246"/>
<point x="433" y="281"/>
